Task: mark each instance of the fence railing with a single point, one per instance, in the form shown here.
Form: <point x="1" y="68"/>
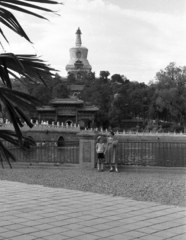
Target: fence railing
<point x="42" y="126"/>
<point x="76" y="128"/>
<point x="168" y="154"/>
<point x="47" y="152"/>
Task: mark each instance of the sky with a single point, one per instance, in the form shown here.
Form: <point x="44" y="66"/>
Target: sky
<point x="134" y="38"/>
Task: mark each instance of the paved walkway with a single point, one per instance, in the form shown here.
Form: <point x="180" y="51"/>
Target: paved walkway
<point x="35" y="212"/>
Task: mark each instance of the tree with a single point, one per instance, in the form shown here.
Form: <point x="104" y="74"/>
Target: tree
<point x="60" y="91"/>
<point x="99" y="93"/>
<point x="71" y="78"/>
<point x="42" y="93"/>
<point x="12" y="65"/>
<point x="104" y="75"/>
<point x="88" y="77"/>
<point x="138" y="99"/>
<point x="119" y="111"/>
<point x="130" y="101"/>
<point x="170" y="95"/>
<point x="117" y="78"/>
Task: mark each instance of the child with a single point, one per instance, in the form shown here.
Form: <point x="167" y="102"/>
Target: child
<point x="100" y="149"/>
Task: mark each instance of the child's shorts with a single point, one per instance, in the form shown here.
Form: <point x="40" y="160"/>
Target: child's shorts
<point x="101" y="156"/>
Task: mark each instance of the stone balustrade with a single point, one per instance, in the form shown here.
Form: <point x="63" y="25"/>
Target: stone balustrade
<point x="137" y="133"/>
<point x="44" y="126"/>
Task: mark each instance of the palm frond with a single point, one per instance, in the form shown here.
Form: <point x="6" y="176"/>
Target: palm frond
<point x="13" y="5"/>
<point x="5" y="155"/>
<point x="25" y="100"/>
<point x="9" y="20"/>
<point x="15" y="102"/>
<point x="43" y="1"/>
<point x="10" y="137"/>
<point x="29" y="66"/>
<point x="2" y="33"/>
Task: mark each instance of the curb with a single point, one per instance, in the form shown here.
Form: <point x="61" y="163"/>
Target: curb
<point x="124" y="168"/>
<point x="153" y="168"/>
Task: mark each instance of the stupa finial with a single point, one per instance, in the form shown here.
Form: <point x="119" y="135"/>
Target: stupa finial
<point x="78" y="37"/>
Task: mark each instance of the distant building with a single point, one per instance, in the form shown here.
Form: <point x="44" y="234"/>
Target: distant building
<point x="72" y="110"/>
<point x="78" y="63"/>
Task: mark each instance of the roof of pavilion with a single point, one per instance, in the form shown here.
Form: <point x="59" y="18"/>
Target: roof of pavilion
<point x="88" y="109"/>
<point x="66" y="101"/>
<point x="46" y="109"/>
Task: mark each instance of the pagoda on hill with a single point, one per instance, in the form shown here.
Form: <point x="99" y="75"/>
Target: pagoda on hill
<point x="78" y="63"/>
<point x="72" y="110"/>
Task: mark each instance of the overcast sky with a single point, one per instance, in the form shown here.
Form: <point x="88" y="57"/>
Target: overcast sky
<point x="135" y="38"/>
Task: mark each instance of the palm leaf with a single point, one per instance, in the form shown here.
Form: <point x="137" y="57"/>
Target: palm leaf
<point x="43" y="1"/>
<point x="26" y="65"/>
<point x="14" y="102"/>
<point x="16" y="77"/>
<point x="13" y="116"/>
<point x="2" y="33"/>
<point x="8" y="136"/>
<point x="8" y="19"/>
<point x="13" y="4"/>
<point x="27" y="101"/>
<point x="5" y="155"/>
<point x="6" y="75"/>
<point x="22" y="10"/>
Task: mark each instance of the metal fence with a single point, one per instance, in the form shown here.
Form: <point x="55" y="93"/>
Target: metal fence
<point x="168" y="154"/>
<point x="47" y="152"/>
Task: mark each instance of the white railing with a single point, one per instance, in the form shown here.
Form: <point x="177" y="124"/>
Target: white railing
<point x="138" y="133"/>
<point x="44" y="125"/>
<point x="151" y="133"/>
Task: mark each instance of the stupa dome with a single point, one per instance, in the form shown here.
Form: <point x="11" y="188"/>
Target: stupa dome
<point x="78" y="57"/>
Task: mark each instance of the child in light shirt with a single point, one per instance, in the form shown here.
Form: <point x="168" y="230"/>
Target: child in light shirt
<point x="100" y="149"/>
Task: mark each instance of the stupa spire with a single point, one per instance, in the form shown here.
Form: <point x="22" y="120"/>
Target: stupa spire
<point x="78" y="37"/>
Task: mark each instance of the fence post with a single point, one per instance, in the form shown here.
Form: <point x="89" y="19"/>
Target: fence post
<point x="87" y="153"/>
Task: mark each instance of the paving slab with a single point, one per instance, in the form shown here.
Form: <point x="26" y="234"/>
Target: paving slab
<point x="30" y="212"/>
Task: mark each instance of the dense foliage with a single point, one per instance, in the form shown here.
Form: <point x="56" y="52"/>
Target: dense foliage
<point x="161" y="101"/>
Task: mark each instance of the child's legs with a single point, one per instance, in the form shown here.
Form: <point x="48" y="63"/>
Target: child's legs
<point x="98" y="164"/>
<point x="102" y="164"/>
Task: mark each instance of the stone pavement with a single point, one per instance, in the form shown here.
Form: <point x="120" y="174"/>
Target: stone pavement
<point x="35" y="212"/>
